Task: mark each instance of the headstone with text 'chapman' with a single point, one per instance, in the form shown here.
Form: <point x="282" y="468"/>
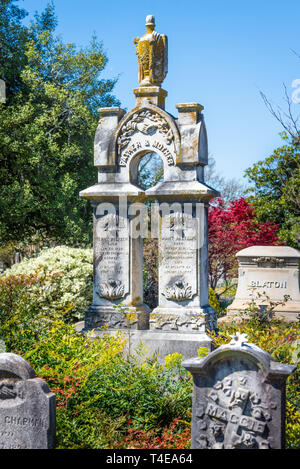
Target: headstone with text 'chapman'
<point x="27" y="406"/>
<point x="267" y="274"/>
<point x="239" y="398"/>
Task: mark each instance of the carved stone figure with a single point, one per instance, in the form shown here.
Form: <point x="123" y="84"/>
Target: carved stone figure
<point x="152" y="51"/>
<point x="179" y="291"/>
<point x="113" y="289"/>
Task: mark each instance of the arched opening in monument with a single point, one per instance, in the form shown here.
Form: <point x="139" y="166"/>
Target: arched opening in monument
<point x="150" y="171"/>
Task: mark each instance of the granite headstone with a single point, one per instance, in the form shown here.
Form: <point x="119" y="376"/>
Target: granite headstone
<point x="238" y="398"/>
<point x="27" y="406"/>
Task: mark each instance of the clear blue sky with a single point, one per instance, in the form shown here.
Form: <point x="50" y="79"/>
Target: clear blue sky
<point x="221" y="54"/>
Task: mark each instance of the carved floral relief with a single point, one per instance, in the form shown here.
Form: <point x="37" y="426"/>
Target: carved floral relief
<point x="147" y="122"/>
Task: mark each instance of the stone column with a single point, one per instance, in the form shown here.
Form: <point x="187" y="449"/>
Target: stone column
<point x="118" y="270"/>
<point x="183" y="269"/>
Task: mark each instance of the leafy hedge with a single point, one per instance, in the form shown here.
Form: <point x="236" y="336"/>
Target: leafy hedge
<point x="105" y="398"/>
<point x="66" y="276"/>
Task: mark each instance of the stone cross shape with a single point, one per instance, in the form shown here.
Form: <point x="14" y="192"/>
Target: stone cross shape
<point x="234" y="416"/>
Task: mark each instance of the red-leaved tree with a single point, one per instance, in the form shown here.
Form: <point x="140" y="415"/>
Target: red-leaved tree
<point x="233" y="227"/>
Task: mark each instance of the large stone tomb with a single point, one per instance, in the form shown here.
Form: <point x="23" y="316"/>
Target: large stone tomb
<point x="183" y="316"/>
<point x="27" y="406"/>
<point x="267" y="275"/>
<point x="238" y="398"/>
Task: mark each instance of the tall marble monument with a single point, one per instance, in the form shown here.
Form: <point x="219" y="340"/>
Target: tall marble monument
<point x="182" y="317"/>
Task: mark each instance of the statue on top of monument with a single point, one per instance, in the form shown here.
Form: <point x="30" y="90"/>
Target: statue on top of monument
<point x="152" y="51"/>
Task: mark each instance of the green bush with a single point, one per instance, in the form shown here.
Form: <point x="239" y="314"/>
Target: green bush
<point x="214" y="302"/>
<point x="66" y="276"/>
<point x="98" y="388"/>
<point x="150" y="394"/>
<point x="105" y="397"/>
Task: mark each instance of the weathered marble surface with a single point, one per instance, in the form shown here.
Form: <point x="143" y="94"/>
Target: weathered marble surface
<point x="152" y="51"/>
<point x="2" y="91"/>
<point x="122" y="139"/>
<point x="183" y="271"/>
<point x="268" y="274"/>
<point x="27" y="406"/>
<point x="118" y="264"/>
<point x="239" y="398"/>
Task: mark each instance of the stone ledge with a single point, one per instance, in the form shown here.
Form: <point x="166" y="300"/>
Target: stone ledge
<point x="162" y="343"/>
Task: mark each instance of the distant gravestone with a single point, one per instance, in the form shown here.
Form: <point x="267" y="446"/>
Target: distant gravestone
<point x="267" y="274"/>
<point x="2" y="91"/>
<point x="238" y="399"/>
<point x="27" y="406"/>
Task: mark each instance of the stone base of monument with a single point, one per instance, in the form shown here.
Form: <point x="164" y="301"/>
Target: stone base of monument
<point x="161" y="343"/>
<point x="186" y="320"/>
<point x="117" y="317"/>
<point x="289" y="312"/>
<point x="164" y="331"/>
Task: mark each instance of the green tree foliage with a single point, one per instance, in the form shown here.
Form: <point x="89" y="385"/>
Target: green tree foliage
<point x="46" y="135"/>
<point x="13" y="36"/>
<point x="275" y="190"/>
<point x="64" y="280"/>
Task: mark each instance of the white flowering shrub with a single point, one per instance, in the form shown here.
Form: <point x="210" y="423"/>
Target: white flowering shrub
<point x="68" y="283"/>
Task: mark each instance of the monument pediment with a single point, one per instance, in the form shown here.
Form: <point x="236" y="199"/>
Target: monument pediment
<point x="145" y="129"/>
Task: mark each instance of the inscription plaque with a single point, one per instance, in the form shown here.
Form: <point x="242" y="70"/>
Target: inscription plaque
<point x="112" y="257"/>
<point x="178" y="251"/>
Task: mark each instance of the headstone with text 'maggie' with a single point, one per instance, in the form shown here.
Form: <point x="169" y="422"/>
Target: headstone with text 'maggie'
<point x="182" y="317"/>
<point x="27" y="406"/>
<point x="238" y="398"/>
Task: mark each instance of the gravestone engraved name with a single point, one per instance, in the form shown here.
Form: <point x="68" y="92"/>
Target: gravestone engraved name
<point x="178" y="254"/>
<point x="112" y="257"/>
<point x="239" y="396"/>
<point x="27" y="406"/>
<point x="267" y="274"/>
